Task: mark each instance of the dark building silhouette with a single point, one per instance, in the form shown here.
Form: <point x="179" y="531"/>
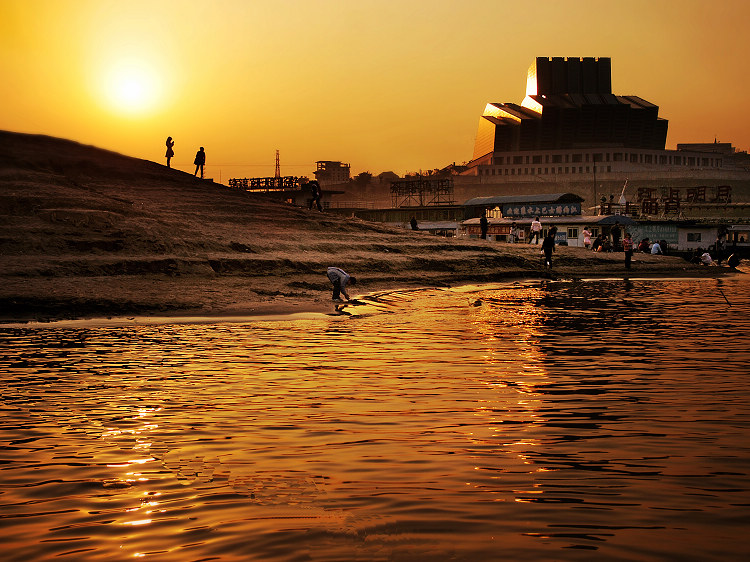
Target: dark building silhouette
<point x="330" y="172"/>
<point x="569" y="104"/>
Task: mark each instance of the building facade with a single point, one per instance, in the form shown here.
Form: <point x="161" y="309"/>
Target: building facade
<point x="569" y="103"/>
<point x="329" y="172"/>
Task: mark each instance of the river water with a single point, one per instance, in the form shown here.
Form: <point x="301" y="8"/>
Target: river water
<point x="588" y="420"/>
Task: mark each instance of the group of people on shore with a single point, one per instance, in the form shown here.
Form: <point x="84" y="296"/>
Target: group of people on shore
<point x="721" y="252"/>
<point x="199" y="160"/>
<point x="614" y="241"/>
<point x="340" y="279"/>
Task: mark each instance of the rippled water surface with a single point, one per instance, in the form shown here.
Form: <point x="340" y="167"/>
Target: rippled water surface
<point x="597" y="420"/>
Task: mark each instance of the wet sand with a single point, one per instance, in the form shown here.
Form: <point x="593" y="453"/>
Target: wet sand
<point x="54" y="298"/>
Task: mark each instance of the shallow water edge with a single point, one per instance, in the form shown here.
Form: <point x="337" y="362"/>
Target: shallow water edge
<point x="289" y="308"/>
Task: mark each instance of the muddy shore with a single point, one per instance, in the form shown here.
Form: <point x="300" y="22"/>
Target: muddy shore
<point x="47" y="298"/>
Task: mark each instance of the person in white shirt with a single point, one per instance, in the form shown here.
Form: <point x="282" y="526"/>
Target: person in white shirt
<point x="536" y="231"/>
<point x="656" y="249"/>
<point x="340" y="280"/>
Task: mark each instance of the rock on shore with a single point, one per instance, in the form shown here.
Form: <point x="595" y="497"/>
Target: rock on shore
<point x="87" y="232"/>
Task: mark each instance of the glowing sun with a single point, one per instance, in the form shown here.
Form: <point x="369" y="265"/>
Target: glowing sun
<point x="132" y="86"/>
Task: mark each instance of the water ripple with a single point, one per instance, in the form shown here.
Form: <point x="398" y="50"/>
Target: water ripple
<point x="544" y="420"/>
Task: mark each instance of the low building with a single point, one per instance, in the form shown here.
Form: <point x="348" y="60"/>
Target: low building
<point x="569" y="228"/>
<point x="679" y="235"/>
<point x="330" y="172"/>
<point x="521" y="206"/>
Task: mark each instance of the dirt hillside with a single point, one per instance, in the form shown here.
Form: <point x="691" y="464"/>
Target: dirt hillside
<point x="87" y="232"/>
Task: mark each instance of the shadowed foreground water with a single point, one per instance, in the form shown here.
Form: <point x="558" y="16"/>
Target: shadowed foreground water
<point x="590" y="420"/>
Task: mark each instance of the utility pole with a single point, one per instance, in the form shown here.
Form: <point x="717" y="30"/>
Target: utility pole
<point x="278" y="167"/>
<point x="595" y="201"/>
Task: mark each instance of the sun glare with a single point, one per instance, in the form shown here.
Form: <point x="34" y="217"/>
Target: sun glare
<point x="132" y="87"/>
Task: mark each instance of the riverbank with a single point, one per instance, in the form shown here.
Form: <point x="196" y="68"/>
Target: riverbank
<point x="89" y="233"/>
<point x="272" y="292"/>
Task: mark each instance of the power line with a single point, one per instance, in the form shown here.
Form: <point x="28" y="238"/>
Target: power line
<point x="258" y="165"/>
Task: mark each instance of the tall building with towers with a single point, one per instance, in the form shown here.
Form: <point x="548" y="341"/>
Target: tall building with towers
<point x="572" y="134"/>
<point x="569" y="104"/>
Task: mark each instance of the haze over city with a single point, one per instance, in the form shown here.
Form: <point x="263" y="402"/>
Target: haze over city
<point x="389" y="85"/>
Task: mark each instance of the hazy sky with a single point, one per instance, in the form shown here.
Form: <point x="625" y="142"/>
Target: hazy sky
<point x="384" y="85"/>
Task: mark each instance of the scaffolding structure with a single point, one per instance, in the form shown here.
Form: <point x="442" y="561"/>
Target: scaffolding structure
<point x="285" y="183"/>
<point x="421" y="191"/>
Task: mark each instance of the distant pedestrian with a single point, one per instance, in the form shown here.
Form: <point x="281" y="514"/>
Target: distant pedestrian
<point x="548" y="246"/>
<point x="536" y="231"/>
<point x="706" y="259"/>
<point x="170" y="151"/>
<point x="721" y="245"/>
<point x="644" y="245"/>
<point x="317" y="193"/>
<point x="200" y="161"/>
<point x="483" y="225"/>
<point x="615" y="232"/>
<point x="414" y="224"/>
<point x="586" y="237"/>
<point x="340" y="280"/>
<point x="656" y="249"/>
<point x="627" y="246"/>
<point x="513" y="235"/>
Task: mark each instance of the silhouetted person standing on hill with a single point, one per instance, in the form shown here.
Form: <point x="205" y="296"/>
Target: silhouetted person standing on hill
<point x="200" y="161"/>
<point x="170" y="151"/>
<point x="316" y="195"/>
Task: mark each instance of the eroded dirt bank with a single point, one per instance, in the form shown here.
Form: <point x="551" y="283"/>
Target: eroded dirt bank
<point x="85" y="232"/>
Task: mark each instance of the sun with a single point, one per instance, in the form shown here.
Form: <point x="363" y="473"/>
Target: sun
<point x="132" y="86"/>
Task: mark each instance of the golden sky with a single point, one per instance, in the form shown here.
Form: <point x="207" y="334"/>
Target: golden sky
<point x="384" y="85"/>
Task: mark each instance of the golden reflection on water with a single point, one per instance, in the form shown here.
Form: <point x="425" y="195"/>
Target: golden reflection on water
<point x="511" y="314"/>
<point x="511" y="421"/>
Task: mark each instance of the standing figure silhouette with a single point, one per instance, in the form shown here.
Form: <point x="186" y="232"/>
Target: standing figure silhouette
<point x="200" y="161"/>
<point x="170" y="151"/>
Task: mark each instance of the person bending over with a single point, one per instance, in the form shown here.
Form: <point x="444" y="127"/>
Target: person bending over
<point x="340" y="280"/>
